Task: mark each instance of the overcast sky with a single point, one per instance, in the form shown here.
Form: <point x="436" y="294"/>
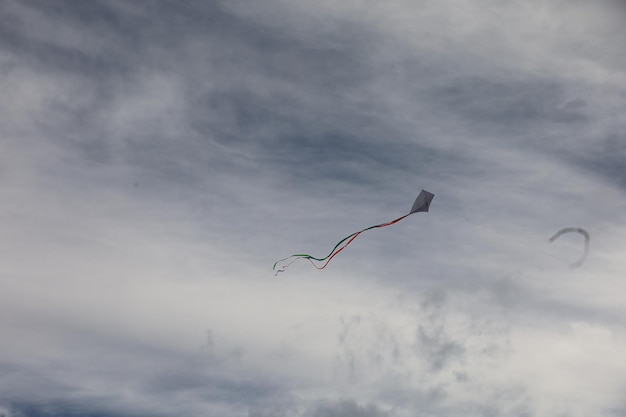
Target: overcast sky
<point x="156" y="158"/>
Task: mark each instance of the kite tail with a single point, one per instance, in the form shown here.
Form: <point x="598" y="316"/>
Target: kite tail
<point x="333" y="252"/>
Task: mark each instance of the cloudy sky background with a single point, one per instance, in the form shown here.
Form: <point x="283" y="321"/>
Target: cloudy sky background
<point x="157" y="158"/>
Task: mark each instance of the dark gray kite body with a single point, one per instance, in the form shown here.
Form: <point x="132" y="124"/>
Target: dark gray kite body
<point x="422" y="202"/>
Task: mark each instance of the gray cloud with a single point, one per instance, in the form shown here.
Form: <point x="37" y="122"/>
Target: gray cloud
<point x="157" y="160"/>
<point x="346" y="408"/>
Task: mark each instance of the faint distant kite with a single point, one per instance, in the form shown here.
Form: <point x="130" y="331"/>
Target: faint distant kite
<point x="575" y="230"/>
<point x="422" y="203"/>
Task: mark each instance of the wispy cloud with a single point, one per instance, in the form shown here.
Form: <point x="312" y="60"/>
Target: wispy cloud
<point x="155" y="161"/>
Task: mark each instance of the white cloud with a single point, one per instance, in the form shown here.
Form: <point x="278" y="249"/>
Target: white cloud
<point x="146" y="196"/>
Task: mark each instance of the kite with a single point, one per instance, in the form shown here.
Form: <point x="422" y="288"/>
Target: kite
<point x="574" y="230"/>
<point x="421" y="204"/>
